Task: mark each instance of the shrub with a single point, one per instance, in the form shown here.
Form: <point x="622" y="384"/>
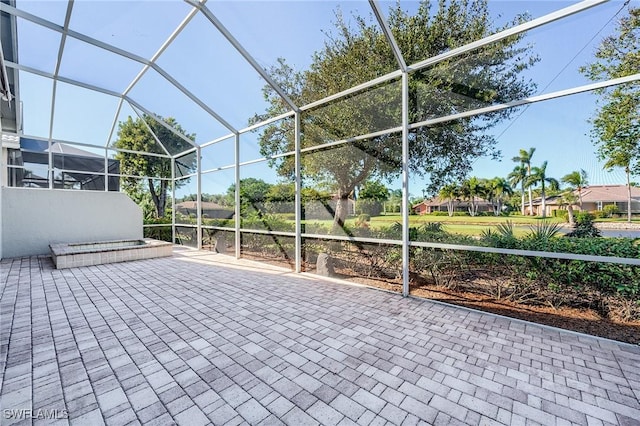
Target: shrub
<point x="363" y="221"/>
<point x="584" y="227"/>
<point x="502" y="237"/>
<point x="432" y="227"/>
<point x="227" y="223"/>
<point x="611" y="210"/>
<point x="563" y="214"/>
<point x="543" y="231"/>
<point x="316" y="228"/>
<point x="268" y="222"/>
<point x="364" y="217"/>
<point x="163" y="233"/>
<point x="439" y="213"/>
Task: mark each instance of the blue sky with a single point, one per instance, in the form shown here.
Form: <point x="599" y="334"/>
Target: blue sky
<point x="202" y="61"/>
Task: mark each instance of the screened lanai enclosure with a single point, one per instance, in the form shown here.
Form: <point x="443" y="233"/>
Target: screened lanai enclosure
<point x="385" y="139"/>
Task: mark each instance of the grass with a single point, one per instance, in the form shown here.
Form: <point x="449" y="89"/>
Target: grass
<point x="464" y="225"/>
<point x="463" y="220"/>
<point x="618" y="219"/>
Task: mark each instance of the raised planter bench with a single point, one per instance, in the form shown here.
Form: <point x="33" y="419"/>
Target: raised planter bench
<point x="99" y="252"/>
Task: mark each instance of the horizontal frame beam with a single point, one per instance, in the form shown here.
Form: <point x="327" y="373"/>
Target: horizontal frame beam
<point x="243" y="52"/>
<point x="527" y="101"/>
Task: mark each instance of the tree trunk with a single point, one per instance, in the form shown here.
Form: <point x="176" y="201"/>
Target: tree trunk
<point x="530" y="202"/>
<point x="163" y="197"/>
<point x="628" y="194"/>
<point x="156" y="199"/>
<point x="572" y="221"/>
<point x="544" y="205"/>
<point x="450" y="207"/>
<point x="580" y="197"/>
<point x="522" y="209"/>
<point x="342" y="209"/>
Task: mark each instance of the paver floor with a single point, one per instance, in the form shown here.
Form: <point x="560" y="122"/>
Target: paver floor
<point x="199" y="339"/>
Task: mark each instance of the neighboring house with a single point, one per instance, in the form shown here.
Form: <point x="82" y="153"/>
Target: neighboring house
<point x="594" y="198"/>
<point x="209" y="210"/>
<point x="438" y="204"/>
<point x="27" y="162"/>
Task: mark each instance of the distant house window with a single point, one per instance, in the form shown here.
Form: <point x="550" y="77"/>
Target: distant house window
<point x="599" y="205"/>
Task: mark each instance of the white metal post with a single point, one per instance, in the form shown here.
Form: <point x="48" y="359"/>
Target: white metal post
<point x="50" y="170"/>
<point x="298" y="198"/>
<point x="405" y="184"/>
<point x="199" y="197"/>
<point x="173" y="200"/>
<point x="49" y="141"/>
<point x="237" y="195"/>
<point x="106" y="169"/>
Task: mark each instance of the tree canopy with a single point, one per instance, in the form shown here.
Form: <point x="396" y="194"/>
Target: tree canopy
<point x="355" y="54"/>
<point x="616" y="123"/>
<point x="154" y="171"/>
<point x="374" y="190"/>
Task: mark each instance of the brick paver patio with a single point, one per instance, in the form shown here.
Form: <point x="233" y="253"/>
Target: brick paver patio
<point x="199" y="338"/>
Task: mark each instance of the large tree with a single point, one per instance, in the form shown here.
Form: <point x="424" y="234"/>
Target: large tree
<point x="616" y="124"/>
<point x="253" y="194"/>
<point x="135" y="135"/>
<point x="356" y="54"/>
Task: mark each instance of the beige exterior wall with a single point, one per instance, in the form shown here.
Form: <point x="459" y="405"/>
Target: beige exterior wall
<point x="34" y="218"/>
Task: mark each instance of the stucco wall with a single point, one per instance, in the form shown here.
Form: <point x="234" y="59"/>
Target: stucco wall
<point x="34" y="218"/>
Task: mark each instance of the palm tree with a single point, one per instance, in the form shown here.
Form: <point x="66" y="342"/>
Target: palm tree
<point x="497" y="189"/>
<point x="578" y="181"/>
<point x="539" y="175"/>
<point x="519" y="176"/>
<point x="622" y="159"/>
<point x="569" y="199"/>
<point x="450" y="193"/>
<point x="469" y="190"/>
<point x="524" y="158"/>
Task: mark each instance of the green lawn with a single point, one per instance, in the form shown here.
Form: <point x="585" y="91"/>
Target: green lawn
<point x="464" y="225"/>
<point x="484" y="221"/>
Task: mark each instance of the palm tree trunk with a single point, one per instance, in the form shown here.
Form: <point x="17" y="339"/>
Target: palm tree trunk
<point x="580" y="197"/>
<point x="522" y="210"/>
<point x="530" y="190"/>
<point x="572" y="221"/>
<point x="544" y="204"/>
